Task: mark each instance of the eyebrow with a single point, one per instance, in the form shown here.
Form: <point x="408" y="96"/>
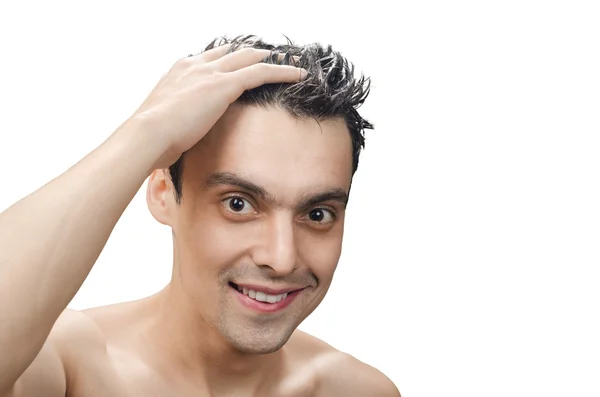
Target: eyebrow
<point x="232" y="179"/>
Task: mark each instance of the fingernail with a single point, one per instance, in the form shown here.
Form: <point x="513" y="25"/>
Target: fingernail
<point x="303" y="73"/>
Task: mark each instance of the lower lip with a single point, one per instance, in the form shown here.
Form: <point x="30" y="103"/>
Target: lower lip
<point x="265" y="307"/>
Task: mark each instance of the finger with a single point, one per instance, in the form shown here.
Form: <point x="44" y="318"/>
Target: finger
<point x="296" y="59"/>
<point x="263" y="73"/>
<point x="286" y="58"/>
<point x="240" y="59"/>
<point x="213" y="54"/>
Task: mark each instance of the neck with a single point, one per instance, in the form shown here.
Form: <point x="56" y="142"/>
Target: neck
<point x="185" y="345"/>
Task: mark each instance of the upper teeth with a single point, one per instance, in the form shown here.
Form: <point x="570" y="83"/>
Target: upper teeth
<point x="261" y="296"/>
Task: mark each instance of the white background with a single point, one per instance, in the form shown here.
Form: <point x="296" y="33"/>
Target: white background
<point x="470" y="265"/>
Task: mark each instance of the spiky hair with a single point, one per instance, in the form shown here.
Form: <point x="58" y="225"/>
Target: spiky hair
<point x="330" y="91"/>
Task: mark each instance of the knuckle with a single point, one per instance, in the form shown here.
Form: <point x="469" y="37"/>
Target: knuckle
<point x="216" y="76"/>
<point x="184" y="63"/>
<point x="195" y="71"/>
<point x="246" y="50"/>
<point x="215" y="80"/>
<point x="261" y="67"/>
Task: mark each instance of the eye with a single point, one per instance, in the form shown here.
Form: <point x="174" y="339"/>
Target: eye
<point x="238" y="205"/>
<point x="321" y="215"/>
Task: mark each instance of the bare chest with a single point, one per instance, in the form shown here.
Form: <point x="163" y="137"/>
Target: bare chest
<point x="130" y="378"/>
<point x="99" y="387"/>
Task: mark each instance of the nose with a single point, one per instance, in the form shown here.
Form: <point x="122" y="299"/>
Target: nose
<point x="276" y="246"/>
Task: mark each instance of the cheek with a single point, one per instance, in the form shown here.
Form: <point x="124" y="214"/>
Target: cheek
<point x="208" y="242"/>
<point x="321" y="253"/>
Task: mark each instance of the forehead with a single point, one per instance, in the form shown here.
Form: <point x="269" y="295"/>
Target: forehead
<point x="270" y="147"/>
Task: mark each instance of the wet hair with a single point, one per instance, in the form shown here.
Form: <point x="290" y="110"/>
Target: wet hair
<point x="330" y="91"/>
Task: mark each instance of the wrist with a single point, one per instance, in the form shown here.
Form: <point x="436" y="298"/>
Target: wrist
<point x="143" y="146"/>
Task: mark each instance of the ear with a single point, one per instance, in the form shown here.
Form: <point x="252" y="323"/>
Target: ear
<point x="160" y="197"/>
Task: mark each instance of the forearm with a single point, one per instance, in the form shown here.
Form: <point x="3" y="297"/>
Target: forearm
<point x="50" y="240"/>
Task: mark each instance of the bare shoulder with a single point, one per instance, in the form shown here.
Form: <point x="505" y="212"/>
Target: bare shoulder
<point x="72" y="335"/>
<point x="75" y="327"/>
<point x="77" y="339"/>
<point x="75" y="335"/>
<point x="344" y="375"/>
<point x="341" y="374"/>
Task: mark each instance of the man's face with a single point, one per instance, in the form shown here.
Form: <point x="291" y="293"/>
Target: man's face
<point x="258" y="233"/>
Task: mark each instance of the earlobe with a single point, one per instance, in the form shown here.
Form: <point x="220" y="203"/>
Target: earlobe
<point x="159" y="196"/>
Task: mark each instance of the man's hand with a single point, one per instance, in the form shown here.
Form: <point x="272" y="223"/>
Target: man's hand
<point x="197" y="91"/>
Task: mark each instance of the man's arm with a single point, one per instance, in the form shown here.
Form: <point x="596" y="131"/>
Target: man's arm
<point x="344" y="375"/>
<point x="49" y="242"/>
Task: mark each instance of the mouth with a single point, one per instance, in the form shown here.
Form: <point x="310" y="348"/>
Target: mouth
<point x="262" y="301"/>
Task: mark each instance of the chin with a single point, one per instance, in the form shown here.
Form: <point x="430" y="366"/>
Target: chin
<point x="259" y="343"/>
<point x="261" y="349"/>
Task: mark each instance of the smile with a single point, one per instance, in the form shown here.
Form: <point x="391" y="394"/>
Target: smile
<point x="264" y="301"/>
<point x="262" y="296"/>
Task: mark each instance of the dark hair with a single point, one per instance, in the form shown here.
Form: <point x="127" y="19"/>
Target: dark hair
<point x="329" y="91"/>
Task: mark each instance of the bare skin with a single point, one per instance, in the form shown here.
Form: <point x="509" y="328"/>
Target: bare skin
<point x="247" y="218"/>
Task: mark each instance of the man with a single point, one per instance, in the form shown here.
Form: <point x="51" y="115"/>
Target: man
<point x="250" y="151"/>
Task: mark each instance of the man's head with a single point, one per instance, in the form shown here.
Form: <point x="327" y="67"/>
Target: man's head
<point x="331" y="91"/>
<point x="259" y="203"/>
